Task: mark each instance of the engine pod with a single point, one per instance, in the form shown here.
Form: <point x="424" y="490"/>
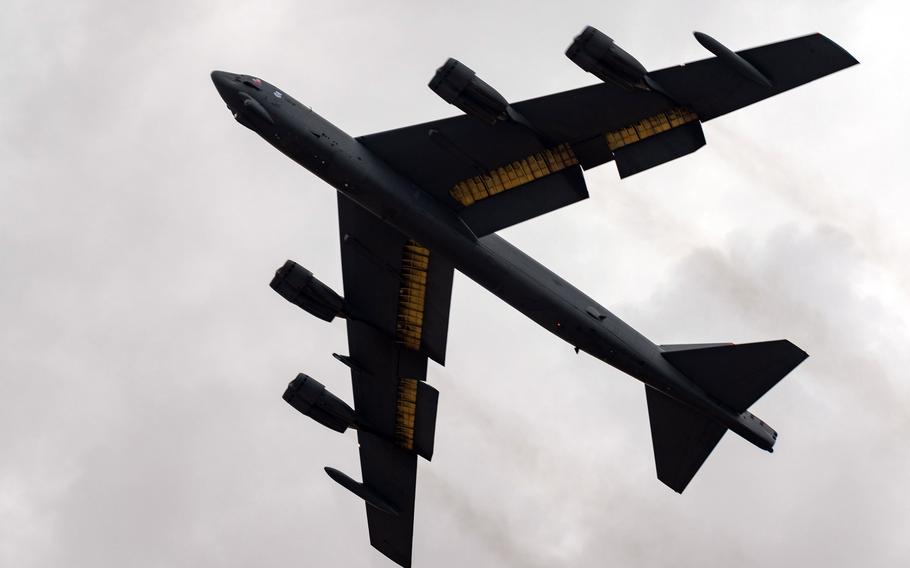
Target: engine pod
<point x="297" y="285"/>
<point x="311" y="398"/>
<point x="596" y="53"/>
<point x="458" y="85"/>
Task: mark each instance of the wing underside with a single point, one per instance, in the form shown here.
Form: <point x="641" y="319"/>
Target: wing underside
<point x="397" y="294"/>
<point x="470" y="164"/>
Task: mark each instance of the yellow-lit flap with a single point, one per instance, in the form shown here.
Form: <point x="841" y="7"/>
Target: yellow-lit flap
<point x="405" y="413"/>
<point x="415" y="260"/>
<point x="514" y="174"/>
<point x="552" y="160"/>
<point x="645" y="128"/>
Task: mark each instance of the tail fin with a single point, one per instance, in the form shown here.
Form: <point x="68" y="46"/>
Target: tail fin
<point x="736" y="375"/>
<point x="683" y="439"/>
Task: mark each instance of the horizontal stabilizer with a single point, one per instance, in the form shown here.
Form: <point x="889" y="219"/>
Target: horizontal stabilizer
<point x="690" y="346"/>
<point x="736" y="375"/>
<point x="683" y="439"/>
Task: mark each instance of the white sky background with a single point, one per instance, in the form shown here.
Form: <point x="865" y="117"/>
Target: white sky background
<point x="143" y="356"/>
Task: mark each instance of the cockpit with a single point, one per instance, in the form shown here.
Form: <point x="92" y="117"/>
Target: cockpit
<point x="252" y="82"/>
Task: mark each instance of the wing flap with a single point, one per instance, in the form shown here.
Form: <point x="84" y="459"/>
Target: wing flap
<point x="399" y="272"/>
<point x="512" y="206"/>
<point x="656" y="150"/>
<point x="425" y="420"/>
<point x="438" y="299"/>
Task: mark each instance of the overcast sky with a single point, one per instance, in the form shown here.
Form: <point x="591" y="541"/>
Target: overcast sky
<point x="143" y="355"/>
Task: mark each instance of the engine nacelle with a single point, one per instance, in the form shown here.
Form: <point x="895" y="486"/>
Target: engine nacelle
<point x="297" y="285"/>
<point x="460" y="86"/>
<point x="599" y="55"/>
<point x="311" y="398"/>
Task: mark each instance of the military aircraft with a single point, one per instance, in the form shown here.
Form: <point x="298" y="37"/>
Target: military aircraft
<point x="416" y="203"/>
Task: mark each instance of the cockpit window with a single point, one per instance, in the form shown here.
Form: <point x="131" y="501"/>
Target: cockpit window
<point x="253" y="82"/>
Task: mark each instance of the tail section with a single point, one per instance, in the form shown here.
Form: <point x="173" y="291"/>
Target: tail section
<point x="683" y="439"/>
<point x="734" y="375"/>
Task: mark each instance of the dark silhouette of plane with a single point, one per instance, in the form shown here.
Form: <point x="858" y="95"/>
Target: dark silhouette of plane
<point x="418" y="202"/>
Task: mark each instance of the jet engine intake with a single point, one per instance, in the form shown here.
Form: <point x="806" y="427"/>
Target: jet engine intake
<point x="297" y="285"/>
<point x="599" y="55"/>
<point x="311" y="398"/>
<point x="458" y="85"/>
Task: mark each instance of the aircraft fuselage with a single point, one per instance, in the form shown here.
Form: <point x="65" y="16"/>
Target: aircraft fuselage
<point x="513" y="276"/>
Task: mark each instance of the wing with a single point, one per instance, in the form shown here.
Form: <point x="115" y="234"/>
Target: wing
<point x="465" y="162"/>
<point x="711" y="87"/>
<point x="397" y="294"/>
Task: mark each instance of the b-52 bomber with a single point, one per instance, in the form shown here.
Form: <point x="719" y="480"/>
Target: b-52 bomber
<point x="416" y="203"/>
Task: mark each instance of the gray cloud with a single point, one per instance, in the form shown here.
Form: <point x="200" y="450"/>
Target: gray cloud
<point x="143" y="355"/>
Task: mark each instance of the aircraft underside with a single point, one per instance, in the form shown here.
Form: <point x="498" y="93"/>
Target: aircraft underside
<point x="419" y="202"/>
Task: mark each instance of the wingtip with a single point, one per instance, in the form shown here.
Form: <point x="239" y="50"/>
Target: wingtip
<point x="674" y="486"/>
<point x="848" y="59"/>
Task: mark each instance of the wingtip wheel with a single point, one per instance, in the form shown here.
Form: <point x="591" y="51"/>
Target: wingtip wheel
<point x="371" y="497"/>
<point x="733" y="60"/>
<point x="350" y="363"/>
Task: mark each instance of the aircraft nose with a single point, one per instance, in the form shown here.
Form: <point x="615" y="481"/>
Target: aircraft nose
<point x="223" y="83"/>
<point x="219" y="76"/>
